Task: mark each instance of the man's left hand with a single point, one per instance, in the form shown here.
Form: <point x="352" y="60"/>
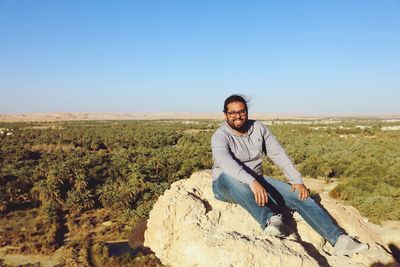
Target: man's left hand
<point x="302" y="189"/>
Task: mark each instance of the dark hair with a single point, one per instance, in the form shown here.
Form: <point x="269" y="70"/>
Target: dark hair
<point x="234" y="98"/>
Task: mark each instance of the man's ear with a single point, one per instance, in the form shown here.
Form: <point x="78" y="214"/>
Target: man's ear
<point x="225" y="116"/>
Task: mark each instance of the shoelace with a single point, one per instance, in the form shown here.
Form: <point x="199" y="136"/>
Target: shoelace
<point x="274" y="217"/>
<point x="353" y="237"/>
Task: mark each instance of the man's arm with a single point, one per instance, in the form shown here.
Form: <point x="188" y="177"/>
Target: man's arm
<point x="278" y="155"/>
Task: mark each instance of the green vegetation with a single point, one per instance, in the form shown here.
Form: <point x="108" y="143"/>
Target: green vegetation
<point x="366" y="159"/>
<point x="112" y="171"/>
<point x="67" y="178"/>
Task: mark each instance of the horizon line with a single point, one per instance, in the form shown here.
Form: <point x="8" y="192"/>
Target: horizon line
<point x="74" y="116"/>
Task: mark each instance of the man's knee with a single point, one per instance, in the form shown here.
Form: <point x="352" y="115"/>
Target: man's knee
<point x="239" y="186"/>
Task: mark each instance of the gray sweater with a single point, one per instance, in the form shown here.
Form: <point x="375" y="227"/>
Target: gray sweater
<point x="240" y="156"/>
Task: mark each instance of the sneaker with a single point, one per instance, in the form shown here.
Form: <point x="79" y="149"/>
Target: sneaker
<point x="346" y="246"/>
<point x="274" y="226"/>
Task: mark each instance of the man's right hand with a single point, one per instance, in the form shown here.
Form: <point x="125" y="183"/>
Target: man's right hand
<point x="260" y="194"/>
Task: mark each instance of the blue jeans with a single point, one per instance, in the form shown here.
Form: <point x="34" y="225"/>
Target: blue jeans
<point x="228" y="189"/>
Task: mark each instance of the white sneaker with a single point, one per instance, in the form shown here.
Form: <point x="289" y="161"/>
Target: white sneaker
<point x="346" y="246"/>
<point x="274" y="226"/>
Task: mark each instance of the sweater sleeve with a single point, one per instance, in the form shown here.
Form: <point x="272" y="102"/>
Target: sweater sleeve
<point x="224" y="159"/>
<point x="278" y="155"/>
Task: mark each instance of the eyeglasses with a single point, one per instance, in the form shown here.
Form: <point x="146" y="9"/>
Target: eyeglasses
<point x="234" y="113"/>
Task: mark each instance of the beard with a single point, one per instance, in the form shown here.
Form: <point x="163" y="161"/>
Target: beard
<point x="239" y="125"/>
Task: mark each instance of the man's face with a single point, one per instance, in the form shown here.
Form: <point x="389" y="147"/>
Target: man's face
<point x="236" y="116"/>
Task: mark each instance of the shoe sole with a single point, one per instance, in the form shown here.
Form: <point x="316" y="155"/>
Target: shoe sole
<point x="360" y="249"/>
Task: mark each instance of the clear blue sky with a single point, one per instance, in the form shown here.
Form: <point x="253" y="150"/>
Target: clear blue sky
<point x="301" y="57"/>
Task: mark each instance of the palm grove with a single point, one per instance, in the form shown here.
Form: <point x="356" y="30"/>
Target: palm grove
<point x="64" y="174"/>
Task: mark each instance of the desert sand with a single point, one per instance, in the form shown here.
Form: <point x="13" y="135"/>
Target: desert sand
<point x="75" y="116"/>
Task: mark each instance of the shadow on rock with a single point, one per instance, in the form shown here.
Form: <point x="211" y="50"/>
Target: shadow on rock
<point x="395" y="252"/>
<point x="291" y="228"/>
<point x="123" y="248"/>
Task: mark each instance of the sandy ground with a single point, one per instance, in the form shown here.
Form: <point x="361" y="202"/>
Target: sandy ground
<point x="71" y="116"/>
<point x="389" y="231"/>
<point x="19" y="259"/>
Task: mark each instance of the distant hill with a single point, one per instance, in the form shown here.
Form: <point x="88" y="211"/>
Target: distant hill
<point x="71" y="116"/>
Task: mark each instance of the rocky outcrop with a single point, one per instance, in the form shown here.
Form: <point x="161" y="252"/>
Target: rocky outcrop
<point x="188" y="227"/>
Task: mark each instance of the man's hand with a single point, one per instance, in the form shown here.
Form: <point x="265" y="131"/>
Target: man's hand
<point x="302" y="189"/>
<point x="260" y="194"/>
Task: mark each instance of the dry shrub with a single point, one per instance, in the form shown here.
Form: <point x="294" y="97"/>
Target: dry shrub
<point x="52" y="147"/>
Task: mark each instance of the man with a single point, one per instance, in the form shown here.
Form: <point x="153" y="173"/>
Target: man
<point x="237" y="147"/>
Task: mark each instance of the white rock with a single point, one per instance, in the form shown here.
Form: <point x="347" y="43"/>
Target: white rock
<point x="188" y="227"/>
